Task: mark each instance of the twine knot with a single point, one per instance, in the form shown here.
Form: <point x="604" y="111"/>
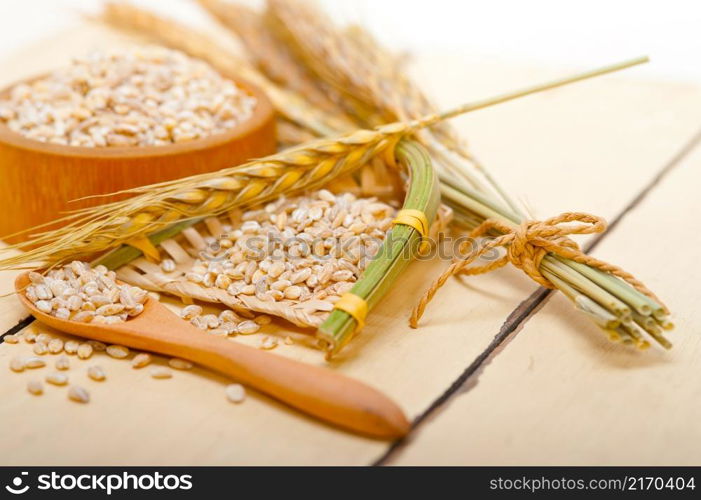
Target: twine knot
<point x="526" y="245"/>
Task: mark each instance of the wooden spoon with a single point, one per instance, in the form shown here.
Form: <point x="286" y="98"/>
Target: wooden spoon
<point x="317" y="391"/>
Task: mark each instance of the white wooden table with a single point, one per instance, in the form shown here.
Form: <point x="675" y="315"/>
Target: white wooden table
<point x="499" y="372"/>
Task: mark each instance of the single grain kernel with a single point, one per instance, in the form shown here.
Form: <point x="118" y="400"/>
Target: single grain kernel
<point x="35" y="387"/>
<point x="17" y="364"/>
<point x="96" y="372"/>
<point x="78" y="394"/>
<point x="36" y="278"/>
<point x="235" y="393"/>
<point x="40" y="348"/>
<point x="55" y="346"/>
<point x="34" y="362"/>
<point x="168" y="265"/>
<point x="44" y="306"/>
<point x="97" y="346"/>
<point x="263" y="320"/>
<point x="229" y="316"/>
<point x="180" y="364"/>
<point x="44" y="338"/>
<point x="211" y="321"/>
<point x="29" y="337"/>
<point x="191" y="311"/>
<point x="140" y="360"/>
<point x="11" y="339"/>
<point x="161" y="372"/>
<point x="71" y="346"/>
<point x="63" y="363"/>
<point x="85" y="351"/>
<point x="118" y="351"/>
<point x="247" y="327"/>
<point x="57" y="378"/>
<point x="268" y="343"/>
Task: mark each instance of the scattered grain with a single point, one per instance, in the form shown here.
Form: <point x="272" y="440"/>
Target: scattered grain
<point x="247" y="327"/>
<point x="17" y="364"/>
<point x="57" y="378"/>
<point x="235" y="393"/>
<point x="85" y="351"/>
<point x="44" y="338"/>
<point x="71" y="346"/>
<point x="161" y="372"/>
<point x="268" y="343"/>
<point x="40" y="348"/>
<point x="78" y="394"/>
<point x="140" y="360"/>
<point x="63" y="363"/>
<point x="96" y="373"/>
<point x="35" y="387"/>
<point x="118" y="351"/>
<point x="55" y="346"/>
<point x="34" y="362"/>
<point x="180" y="364"/>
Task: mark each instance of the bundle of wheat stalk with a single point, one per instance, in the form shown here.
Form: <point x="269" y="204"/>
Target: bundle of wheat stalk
<point x="373" y="87"/>
<point x="344" y="79"/>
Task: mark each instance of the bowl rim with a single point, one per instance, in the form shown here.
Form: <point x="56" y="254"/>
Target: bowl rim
<point x="262" y="113"/>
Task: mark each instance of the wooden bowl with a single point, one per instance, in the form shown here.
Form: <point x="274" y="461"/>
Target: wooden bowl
<point x="39" y="181"/>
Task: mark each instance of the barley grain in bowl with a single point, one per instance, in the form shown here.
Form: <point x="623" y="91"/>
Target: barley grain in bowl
<point x="112" y="121"/>
<point x="142" y="97"/>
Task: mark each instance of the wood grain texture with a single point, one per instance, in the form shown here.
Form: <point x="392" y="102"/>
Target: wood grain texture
<point x="560" y="394"/>
<point x="615" y="128"/>
<point x="316" y="391"/>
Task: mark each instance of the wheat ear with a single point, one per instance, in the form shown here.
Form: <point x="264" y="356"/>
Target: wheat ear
<point x="152" y="208"/>
<point x="293" y="106"/>
<point x="355" y="65"/>
<point x="267" y="52"/>
<point x="310" y="165"/>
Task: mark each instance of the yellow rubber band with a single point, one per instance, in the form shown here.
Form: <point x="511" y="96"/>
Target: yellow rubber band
<point x="417" y="220"/>
<point x="146" y="247"/>
<point x="355" y="306"/>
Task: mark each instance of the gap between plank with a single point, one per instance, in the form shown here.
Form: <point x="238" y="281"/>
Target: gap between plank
<point x="516" y="319"/>
<point x="23" y="323"/>
<point x="520" y="316"/>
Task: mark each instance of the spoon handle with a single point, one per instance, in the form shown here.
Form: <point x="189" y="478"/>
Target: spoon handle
<point x="318" y="391"/>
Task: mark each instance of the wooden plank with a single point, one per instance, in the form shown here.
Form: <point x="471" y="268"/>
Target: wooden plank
<point x="11" y="312"/>
<point x="35" y="60"/>
<point x="560" y="393"/>
<point x="137" y="422"/>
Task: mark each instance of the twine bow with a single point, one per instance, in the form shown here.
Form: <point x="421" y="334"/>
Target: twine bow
<point x="526" y="245"/>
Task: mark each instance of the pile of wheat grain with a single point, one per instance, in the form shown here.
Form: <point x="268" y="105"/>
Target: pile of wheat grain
<point x="143" y="97"/>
